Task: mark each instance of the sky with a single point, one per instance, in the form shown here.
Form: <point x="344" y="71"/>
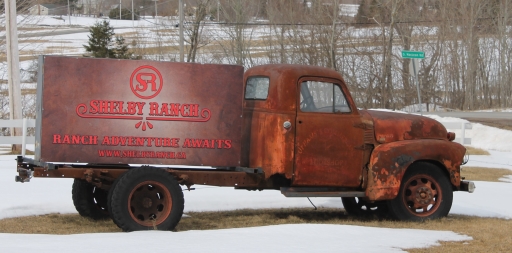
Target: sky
<point x="44" y="196"/>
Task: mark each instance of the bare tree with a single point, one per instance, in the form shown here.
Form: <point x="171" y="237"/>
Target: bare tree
<point x="504" y="88"/>
<point x="283" y="17"/>
<point x="237" y="14"/>
<point x="195" y="38"/>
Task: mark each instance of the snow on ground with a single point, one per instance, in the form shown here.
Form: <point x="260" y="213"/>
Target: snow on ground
<point x="281" y="238"/>
<point x="415" y="108"/>
<point x="497" y="159"/>
<point x="482" y="136"/>
<point x="77" y="21"/>
<point x="44" y="195"/>
<point x="486" y="201"/>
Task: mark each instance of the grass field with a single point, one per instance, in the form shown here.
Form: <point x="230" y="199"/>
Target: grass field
<point x="488" y="233"/>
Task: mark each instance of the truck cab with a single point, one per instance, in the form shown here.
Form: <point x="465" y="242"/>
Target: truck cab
<point x="301" y="124"/>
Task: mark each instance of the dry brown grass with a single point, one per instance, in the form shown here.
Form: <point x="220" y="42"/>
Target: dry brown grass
<point x="56" y="224"/>
<point x="39" y="41"/>
<point x="22" y="58"/>
<point x="18" y="152"/>
<point x="489" y="234"/>
<point x="159" y="50"/>
<point x="476" y="151"/>
<point x="484" y="174"/>
<point x="23" y="92"/>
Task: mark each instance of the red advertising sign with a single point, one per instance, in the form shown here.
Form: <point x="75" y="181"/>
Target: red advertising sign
<point x="139" y="112"/>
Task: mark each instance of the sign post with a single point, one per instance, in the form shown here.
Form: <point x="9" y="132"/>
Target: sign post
<point x="13" y="70"/>
<point x="414" y="56"/>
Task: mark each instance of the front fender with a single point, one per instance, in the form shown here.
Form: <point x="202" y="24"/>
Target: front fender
<point x="389" y="162"/>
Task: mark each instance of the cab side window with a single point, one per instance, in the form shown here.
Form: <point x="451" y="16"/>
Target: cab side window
<point x="257" y="87"/>
<point x="322" y="97"/>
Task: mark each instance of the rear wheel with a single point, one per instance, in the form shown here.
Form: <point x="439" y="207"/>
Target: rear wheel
<point x="110" y="192"/>
<point x="425" y="193"/>
<point x="146" y="198"/>
<point x="89" y="200"/>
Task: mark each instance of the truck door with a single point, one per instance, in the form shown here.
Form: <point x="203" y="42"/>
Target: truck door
<point x="327" y="142"/>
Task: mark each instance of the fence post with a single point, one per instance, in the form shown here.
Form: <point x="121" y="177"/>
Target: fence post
<point x="24" y="137"/>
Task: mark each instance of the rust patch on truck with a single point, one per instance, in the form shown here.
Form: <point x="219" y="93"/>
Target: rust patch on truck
<point x="390" y="161"/>
<point x="391" y="127"/>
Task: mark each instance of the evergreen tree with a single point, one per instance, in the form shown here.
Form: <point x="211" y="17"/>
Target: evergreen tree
<point x="121" y="50"/>
<point x="101" y="42"/>
<point x="126" y="14"/>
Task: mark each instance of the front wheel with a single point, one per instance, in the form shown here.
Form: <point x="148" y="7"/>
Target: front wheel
<point x="425" y="193"/>
<point x="145" y="199"/>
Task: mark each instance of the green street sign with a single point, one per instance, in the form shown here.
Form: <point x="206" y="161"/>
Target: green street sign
<point x="413" y="54"/>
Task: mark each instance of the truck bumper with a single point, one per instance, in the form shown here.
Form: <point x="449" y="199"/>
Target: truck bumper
<point x="467" y="186"/>
<point x="23" y="169"/>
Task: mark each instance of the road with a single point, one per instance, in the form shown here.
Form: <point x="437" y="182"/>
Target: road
<point x="478" y="115"/>
<point x="501" y="120"/>
<point x="53" y="33"/>
<point x="50" y="33"/>
<point x="56" y="32"/>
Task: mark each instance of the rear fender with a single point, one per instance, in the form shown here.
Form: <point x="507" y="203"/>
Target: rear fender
<point x="389" y="162"/>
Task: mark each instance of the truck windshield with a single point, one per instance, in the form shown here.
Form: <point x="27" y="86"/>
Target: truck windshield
<point x="322" y="97"/>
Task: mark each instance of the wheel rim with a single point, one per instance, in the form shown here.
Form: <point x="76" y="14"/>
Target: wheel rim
<point x="366" y="206"/>
<point x="422" y="195"/>
<point x="363" y="206"/>
<point x="100" y="199"/>
<point x="150" y="203"/>
<point x="359" y="206"/>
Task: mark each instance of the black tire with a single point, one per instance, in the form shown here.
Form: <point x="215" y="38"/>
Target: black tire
<point x="146" y="199"/>
<point x="89" y="200"/>
<point x="425" y="193"/>
<point x="359" y="207"/>
<point x="110" y="193"/>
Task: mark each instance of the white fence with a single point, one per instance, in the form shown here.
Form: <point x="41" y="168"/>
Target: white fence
<point x="23" y="139"/>
<point x="463" y="126"/>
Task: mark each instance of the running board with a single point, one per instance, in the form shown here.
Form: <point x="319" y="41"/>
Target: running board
<point x="318" y="192"/>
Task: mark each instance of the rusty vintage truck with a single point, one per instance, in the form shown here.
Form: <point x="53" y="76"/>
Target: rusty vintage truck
<point x="133" y="133"/>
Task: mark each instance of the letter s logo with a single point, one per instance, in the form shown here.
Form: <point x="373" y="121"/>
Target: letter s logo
<point x="146" y="82"/>
<point x="143" y="79"/>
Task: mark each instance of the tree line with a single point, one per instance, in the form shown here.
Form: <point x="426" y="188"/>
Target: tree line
<point x="466" y="43"/>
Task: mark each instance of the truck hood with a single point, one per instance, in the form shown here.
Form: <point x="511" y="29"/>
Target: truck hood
<point x="392" y="126"/>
